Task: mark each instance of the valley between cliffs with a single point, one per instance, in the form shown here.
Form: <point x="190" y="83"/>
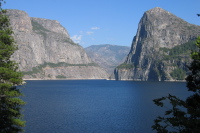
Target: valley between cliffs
<point x="160" y="50"/>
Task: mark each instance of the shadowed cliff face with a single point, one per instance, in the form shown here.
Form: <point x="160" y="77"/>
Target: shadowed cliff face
<point x="157" y="29"/>
<point x="45" y="45"/>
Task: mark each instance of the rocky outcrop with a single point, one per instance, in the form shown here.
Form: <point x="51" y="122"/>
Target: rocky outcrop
<point x="43" y="42"/>
<point x="159" y="32"/>
<point x="108" y="56"/>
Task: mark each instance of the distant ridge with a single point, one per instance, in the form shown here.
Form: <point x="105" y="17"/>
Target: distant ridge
<point x="107" y="56"/>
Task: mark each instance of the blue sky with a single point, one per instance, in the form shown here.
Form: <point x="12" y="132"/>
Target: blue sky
<point x="93" y="22"/>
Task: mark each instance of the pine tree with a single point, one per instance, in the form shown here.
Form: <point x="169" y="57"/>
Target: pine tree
<point x="184" y="116"/>
<point x="10" y="102"/>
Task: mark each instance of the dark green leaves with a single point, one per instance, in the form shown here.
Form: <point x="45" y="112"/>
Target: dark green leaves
<point x="10" y="104"/>
<point x="183" y="115"/>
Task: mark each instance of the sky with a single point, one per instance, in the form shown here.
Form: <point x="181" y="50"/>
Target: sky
<point x="94" y="22"/>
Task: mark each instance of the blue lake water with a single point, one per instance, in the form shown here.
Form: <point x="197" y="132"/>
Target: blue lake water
<point x="95" y="106"/>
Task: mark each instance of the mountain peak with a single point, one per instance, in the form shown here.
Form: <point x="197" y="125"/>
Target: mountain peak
<point x="157" y="10"/>
<point x="157" y="29"/>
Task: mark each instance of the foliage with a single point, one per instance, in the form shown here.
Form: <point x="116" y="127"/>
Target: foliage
<point x="177" y="51"/>
<point x="125" y="66"/>
<point x="60" y="77"/>
<point x="184" y="116"/>
<point x="68" y="40"/>
<point x="39" y="68"/>
<point x="10" y="103"/>
<point x="39" y="29"/>
<point x="178" y="74"/>
<point x="176" y="58"/>
<point x="34" y="71"/>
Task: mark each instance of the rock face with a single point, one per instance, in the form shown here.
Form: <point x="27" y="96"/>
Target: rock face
<point x="108" y="56"/>
<point x="45" y="50"/>
<point x="159" y="32"/>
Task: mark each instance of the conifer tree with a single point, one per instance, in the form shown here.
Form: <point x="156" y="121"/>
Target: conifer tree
<point x="184" y="116"/>
<point x="10" y="102"/>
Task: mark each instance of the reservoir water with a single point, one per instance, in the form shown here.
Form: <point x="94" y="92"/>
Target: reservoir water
<point x="95" y="106"/>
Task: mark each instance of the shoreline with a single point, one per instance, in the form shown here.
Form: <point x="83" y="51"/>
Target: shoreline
<point x="108" y="79"/>
<point x="66" y="79"/>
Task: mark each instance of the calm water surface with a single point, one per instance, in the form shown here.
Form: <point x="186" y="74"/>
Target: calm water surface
<point x="94" y="106"/>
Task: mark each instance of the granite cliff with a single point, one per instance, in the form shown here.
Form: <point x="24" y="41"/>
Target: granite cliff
<point x="45" y="50"/>
<point x="161" y="48"/>
<point x="108" y="56"/>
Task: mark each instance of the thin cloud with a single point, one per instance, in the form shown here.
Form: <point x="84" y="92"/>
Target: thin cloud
<point x="89" y="33"/>
<point x="95" y="28"/>
<point x="76" y="38"/>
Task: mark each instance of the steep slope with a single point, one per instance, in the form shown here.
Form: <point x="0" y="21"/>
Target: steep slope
<point x="158" y="29"/>
<point x="45" y="50"/>
<point x="107" y="56"/>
